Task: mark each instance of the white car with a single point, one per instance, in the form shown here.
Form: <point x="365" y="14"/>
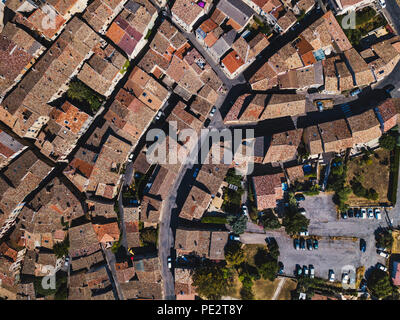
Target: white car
<point x="244" y="209"/>
<point x="370" y="213"/>
<point x="363" y="213"/>
<point x="66" y="263"/>
<point x="159" y="114"/>
<point x="311" y="271"/>
<point x="212" y="112"/>
<point x="382" y="3"/>
<point x="130" y="157"/>
<point x="302" y="211"/>
<point x="345" y="278"/>
<point x="378" y="215"/>
<point x="331" y="276"/>
<point x="381" y="267"/>
<point x="383" y="254"/>
<point x="169" y="260"/>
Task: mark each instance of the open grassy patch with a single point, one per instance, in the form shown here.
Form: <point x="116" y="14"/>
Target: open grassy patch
<point x="373" y="173"/>
<point x="367" y="20"/>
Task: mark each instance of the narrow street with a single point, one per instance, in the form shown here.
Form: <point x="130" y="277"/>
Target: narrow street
<point x="110" y="258"/>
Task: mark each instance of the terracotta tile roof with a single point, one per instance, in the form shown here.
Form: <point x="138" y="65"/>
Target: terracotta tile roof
<point x="335" y="135"/>
<point x="232" y="61"/>
<point x="107" y="232"/>
<point x="268" y="190"/>
<point x="336" y="32"/>
<point x="283" y="146"/>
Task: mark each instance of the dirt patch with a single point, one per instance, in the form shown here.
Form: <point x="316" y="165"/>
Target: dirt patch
<point x="250" y="250"/>
<point x="374" y="174"/>
<point x="290" y="285"/>
<point x="265" y="289"/>
<point x="234" y="292"/>
<point x="396" y="242"/>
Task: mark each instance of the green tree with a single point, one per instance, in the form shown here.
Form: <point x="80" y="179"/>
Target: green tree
<point x="269" y="220"/>
<point x="378" y="282"/>
<point x="61" y="248"/>
<point x="267" y="265"/>
<point x="79" y="91"/>
<point x="237" y="222"/>
<point x="295" y="222"/>
<point x="149" y="236"/>
<point x="269" y="269"/>
<point x="212" y="280"/>
<point x="384" y="239"/>
<point x="234" y="254"/>
<point x="387" y="142"/>
<point x="273" y="249"/>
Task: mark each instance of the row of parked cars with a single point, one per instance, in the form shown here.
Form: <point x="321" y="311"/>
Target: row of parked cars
<point x="363" y="213"/>
<point x="305" y="271"/>
<point x="300" y="244"/>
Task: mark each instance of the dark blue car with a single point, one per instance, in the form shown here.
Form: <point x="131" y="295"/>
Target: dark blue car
<point x="363" y="245"/>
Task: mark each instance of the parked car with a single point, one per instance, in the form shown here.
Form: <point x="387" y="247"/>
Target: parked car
<point x="370" y="213"/>
<point x="299" y="270"/>
<point x="234" y="238"/>
<point x="363" y="285"/>
<point x="312" y="273"/>
<point x="302" y="244"/>
<point x="280" y="265"/>
<point x="169" y="260"/>
<point x="320" y="106"/>
<point x="196" y="172"/>
<point x="331" y="276"/>
<point x="357" y="213"/>
<point x="66" y="263"/>
<point x="309" y="244"/>
<point x="244" y="209"/>
<point x="302" y="211"/>
<point x="378" y="215"/>
<point x="355" y="92"/>
<point x="344" y="215"/>
<point x="130" y="250"/>
<point x="345" y="278"/>
<point x="304" y="233"/>
<point x="212" y="112"/>
<point x="297" y="244"/>
<point x="350" y="213"/>
<point x="315" y="244"/>
<point x="363" y="213"/>
<point x="389" y="88"/>
<point x="300" y="197"/>
<point x="159" y="115"/>
<point x="383" y="253"/>
<point x="363" y="245"/>
<point x="305" y="271"/>
<point x="382" y="3"/>
<point x="381" y="267"/>
<point x="130" y="158"/>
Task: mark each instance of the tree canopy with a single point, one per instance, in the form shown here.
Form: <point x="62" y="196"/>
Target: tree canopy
<point x="387" y="142"/>
<point x="234" y="254"/>
<point x="238" y="222"/>
<point x="295" y="222"/>
<point x="378" y="282"/>
<point x="212" y="280"/>
<point x="269" y="220"/>
<point x="384" y="239"/>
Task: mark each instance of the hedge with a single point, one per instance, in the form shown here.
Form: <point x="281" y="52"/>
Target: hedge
<point x="394" y="175"/>
<point x="216" y="220"/>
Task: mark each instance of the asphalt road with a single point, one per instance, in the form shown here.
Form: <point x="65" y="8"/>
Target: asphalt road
<point x="392" y="11"/>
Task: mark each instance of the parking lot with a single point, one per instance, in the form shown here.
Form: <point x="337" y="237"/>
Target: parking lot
<point x="331" y="254"/>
